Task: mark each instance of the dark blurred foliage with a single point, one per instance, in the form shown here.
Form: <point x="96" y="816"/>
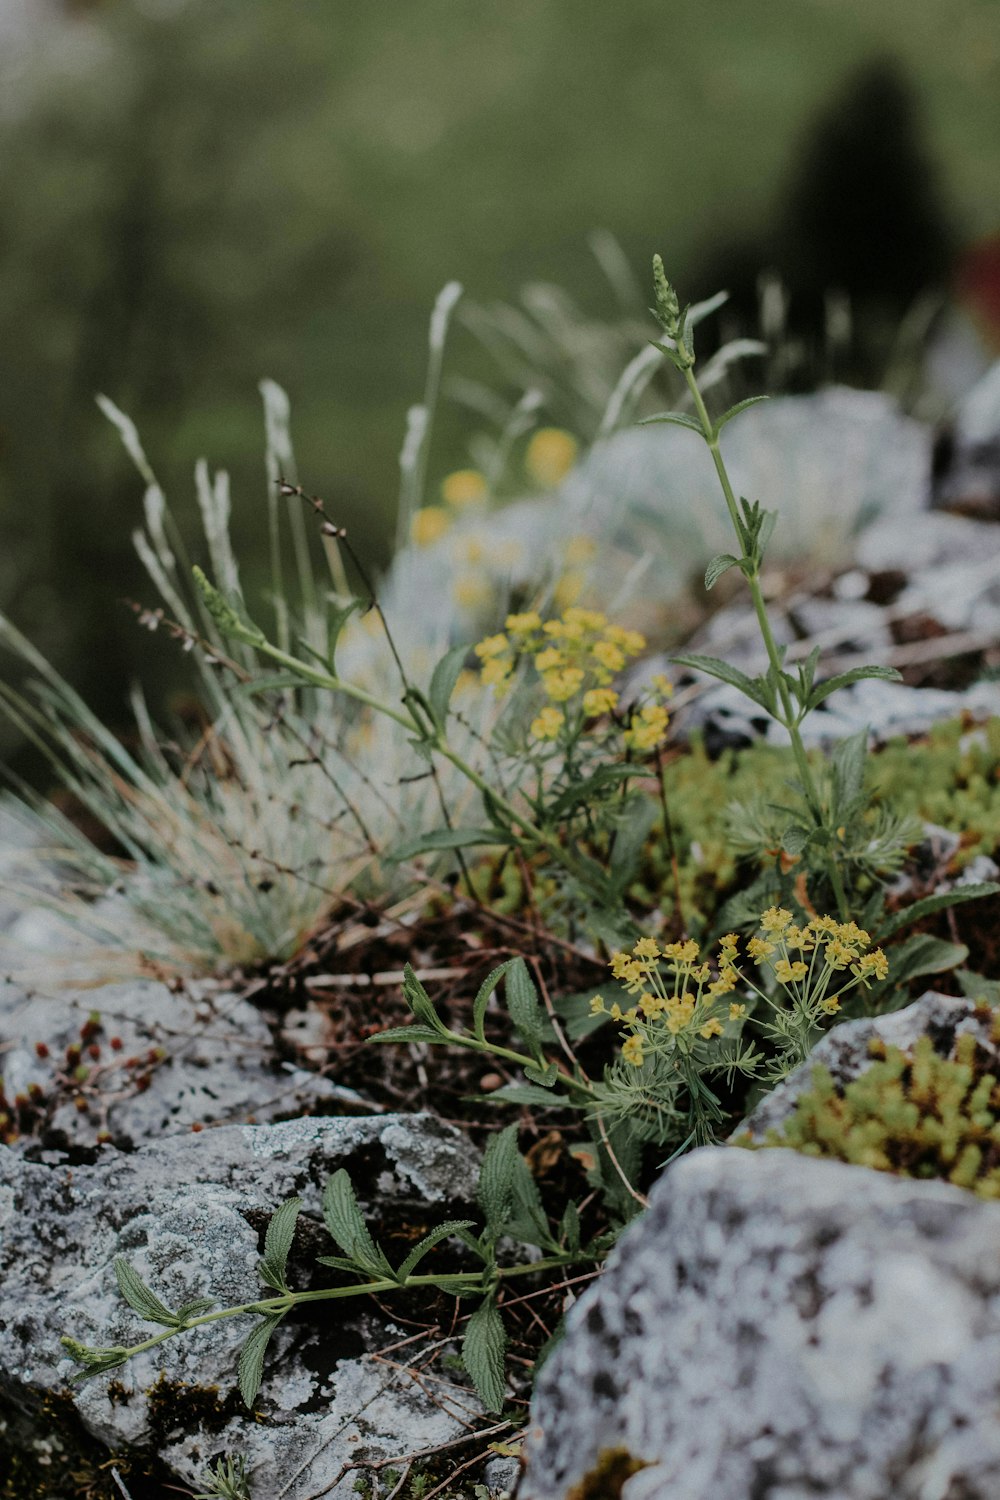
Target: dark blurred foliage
<point x="226" y="189"/>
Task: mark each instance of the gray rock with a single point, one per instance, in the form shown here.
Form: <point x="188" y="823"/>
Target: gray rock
<point x="782" y="1328"/>
<point x="188" y="1214"/>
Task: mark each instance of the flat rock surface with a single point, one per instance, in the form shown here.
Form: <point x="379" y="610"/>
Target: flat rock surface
<point x="780" y="1328"/>
<point x="189" y="1214"/>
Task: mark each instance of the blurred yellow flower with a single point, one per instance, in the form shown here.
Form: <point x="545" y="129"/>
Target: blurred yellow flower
<point x="548" y="723"/>
<point x="550" y="455"/>
<point x="493" y="645"/>
<point x="472" y="592"/>
<point x="599" y="701"/>
<point x="464" y="487"/>
<point x="563" y="683"/>
<point x="429" y="525"/>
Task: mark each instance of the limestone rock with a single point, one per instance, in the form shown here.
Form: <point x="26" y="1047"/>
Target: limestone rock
<point x="783" y="1328"/>
<point x="189" y="1214"/>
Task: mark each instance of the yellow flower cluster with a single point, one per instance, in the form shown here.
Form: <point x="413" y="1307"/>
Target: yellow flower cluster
<point x="678" y="999"/>
<point x="576" y="657"/>
<point x="825" y="947"/>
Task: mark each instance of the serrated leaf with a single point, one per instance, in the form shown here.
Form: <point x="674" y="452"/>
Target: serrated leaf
<point x="482" y="999"/>
<point x="545" y="1077"/>
<point x="195" y="1308"/>
<point x="447" y="838"/>
<point x="677" y="418"/>
<point x="483" y="1349"/>
<point x="443" y="680"/>
<point x="277" y="1243"/>
<point x="442" y="1232"/>
<point x="139" y="1297"/>
<point x="495" y="1191"/>
<point x="250" y="1368"/>
<point x="714" y="667"/>
<point x="406" y="1034"/>
<point x="528" y="1222"/>
<point x="523" y="1006"/>
<point x="527" y="1093"/>
<point x="421" y="1003"/>
<point x="343" y="1218"/>
<point x="720" y="564"/>
<point x="822" y="690"/>
<point x="940" y="902"/>
<point x="794" y="839"/>
<point x="734" y="411"/>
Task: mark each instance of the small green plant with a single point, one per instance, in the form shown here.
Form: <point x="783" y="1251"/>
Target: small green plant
<point x="512" y="1210"/>
<point x="918" y="1114"/>
<point x="226" y="1479"/>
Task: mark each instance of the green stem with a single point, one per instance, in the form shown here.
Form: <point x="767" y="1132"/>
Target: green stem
<point x="788" y="719"/>
<point x="519" y="1059"/>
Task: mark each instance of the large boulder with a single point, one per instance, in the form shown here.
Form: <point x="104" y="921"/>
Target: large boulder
<point x="782" y="1328"/>
<point x="340" y="1388"/>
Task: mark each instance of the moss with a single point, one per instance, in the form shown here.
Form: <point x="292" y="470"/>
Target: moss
<point x="604" y="1481"/>
<point x="918" y="1114"/>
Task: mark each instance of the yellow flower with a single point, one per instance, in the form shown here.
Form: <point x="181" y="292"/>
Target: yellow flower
<point x="837" y="954"/>
<point x="651" y="1005"/>
<point x="631" y="642"/>
<point x="472" y="592"/>
<point x="872" y="963"/>
<point x="682" y="953"/>
<point x="649" y="729"/>
<point x="597" y="1005"/>
<point x="616" y="1011"/>
<point x="662" y="685"/>
<point x="548" y="723"/>
<point x="737" y="1012"/>
<point x="493" y="645"/>
<point x="776" y="919"/>
<point x="646" y="947"/>
<point x="619" y="963"/>
<point x="759" y="948"/>
<point x="725" y="983"/>
<point x="589" y="619"/>
<point x="464" y="487"/>
<point x="523" y="624"/>
<point x="429" y="525"/>
<point x="632" y="1050"/>
<point x="549" y="659"/>
<point x="550" y="455"/>
<point x="801" y="938"/>
<point x="496" y="672"/>
<point x="609" y="655"/>
<point x="850" y="932"/>
<point x="599" y="701"/>
<point x="563" y="683"/>
<point x="788" y="973"/>
<point x="831" y="1006"/>
<point x="728" y="945"/>
<point x="712" y="1027"/>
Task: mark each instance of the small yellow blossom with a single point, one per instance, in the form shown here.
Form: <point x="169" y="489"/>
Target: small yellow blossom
<point x="609" y="655"/>
<point x="646" y="947"/>
<point x="549" y="722"/>
<point x="493" y="645"/>
<point x="776" y="919"/>
<point x="728" y="944"/>
<point x="837" y="954"/>
<point x="632" y="1050"/>
<point x="789" y="973"/>
<point x="737" y="1012"/>
<point x="599" y="701"/>
<point x="800" y="938"/>
<point x="616" y="1011"/>
<point x="663" y="686"/>
<point x="550" y="659"/>
<point x="652" y="1005"/>
<point x="523" y="624"/>
<point x="589" y="619"/>
<point x="831" y="1006"/>
<point x="682" y="953"/>
<point x="724" y="985"/>
<point x="759" y="949"/>
<point x="563" y="683"/>
<point x="712" y="1027"/>
<point x="464" y="487"/>
<point x="649" y="728"/>
<point x="874" y="963"/>
<point x="429" y="525"/>
<point x="619" y="963"/>
<point x="597" y="1005"/>
<point x="550" y="455"/>
<point x="631" y="641"/>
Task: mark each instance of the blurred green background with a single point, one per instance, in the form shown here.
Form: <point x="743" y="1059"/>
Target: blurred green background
<point x="196" y="195"/>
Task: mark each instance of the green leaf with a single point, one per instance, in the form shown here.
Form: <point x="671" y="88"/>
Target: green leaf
<point x="823" y="690"/>
<point x="421" y="1004"/>
<point x="575" y="1011"/>
<point x="714" y="667"/>
<point x="336" y="621"/>
<point x="343" y="1219"/>
<point x="923" y="954"/>
<point x="795" y="838"/>
<point x="930" y="904"/>
<point x="495" y="1192"/>
<point x="523" y="1006"/>
<point x="734" y="411"/>
<point x="527" y="1093"/>
<point x="720" y="564"/>
<point x="528" y="1222"/>
<point x="273" y="683"/>
<point x="139" y="1297"/>
<point x="545" y="1076"/>
<point x="678" y="418"/>
<point x="194" y="1309"/>
<point x="978" y="987"/>
<point x="482" y="999"/>
<point x="443" y="680"/>
<point x="483" y="1349"/>
<point x="406" y="1034"/>
<point x="848" y="759"/>
<point x="448" y="838"/>
<point x="569" y="1227"/>
<point x="250" y="1368"/>
<point x="277" y="1243"/>
<point x="418" y="1252"/>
